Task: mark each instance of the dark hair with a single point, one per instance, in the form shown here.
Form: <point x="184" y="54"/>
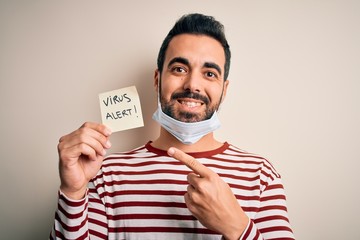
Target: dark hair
<point x="198" y="24"/>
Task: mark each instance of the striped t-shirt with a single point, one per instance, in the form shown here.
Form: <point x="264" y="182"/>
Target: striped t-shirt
<point x="140" y="195"/>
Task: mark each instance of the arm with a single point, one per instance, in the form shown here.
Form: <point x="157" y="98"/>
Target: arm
<point x="80" y="157"/>
<point x="71" y="218"/>
<point x="213" y="203"/>
<point x="80" y="219"/>
<point x="271" y="221"/>
<point x="211" y="200"/>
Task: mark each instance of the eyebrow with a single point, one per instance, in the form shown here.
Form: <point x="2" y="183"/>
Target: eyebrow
<point x="185" y="61"/>
<point x="213" y="65"/>
<point x="179" y="60"/>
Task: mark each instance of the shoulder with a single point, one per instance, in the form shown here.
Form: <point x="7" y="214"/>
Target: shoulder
<point x="252" y="159"/>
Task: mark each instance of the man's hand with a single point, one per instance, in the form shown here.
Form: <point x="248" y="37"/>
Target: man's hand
<point x="210" y="199"/>
<point x="80" y="157"/>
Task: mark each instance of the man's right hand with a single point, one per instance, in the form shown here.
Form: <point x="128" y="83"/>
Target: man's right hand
<point x="80" y="157"/>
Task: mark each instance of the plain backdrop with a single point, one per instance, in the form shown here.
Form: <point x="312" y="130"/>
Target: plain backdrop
<point x="293" y="96"/>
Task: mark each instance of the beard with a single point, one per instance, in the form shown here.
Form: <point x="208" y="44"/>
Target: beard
<point x="185" y="116"/>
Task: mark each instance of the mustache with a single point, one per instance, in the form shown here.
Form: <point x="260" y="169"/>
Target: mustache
<point x="192" y="95"/>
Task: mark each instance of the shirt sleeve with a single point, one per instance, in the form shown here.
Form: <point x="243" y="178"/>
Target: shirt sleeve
<point x="271" y="221"/>
<point x="80" y="219"/>
<point x="71" y="218"/>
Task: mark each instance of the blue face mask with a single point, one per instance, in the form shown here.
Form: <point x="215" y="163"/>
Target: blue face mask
<point x="187" y="133"/>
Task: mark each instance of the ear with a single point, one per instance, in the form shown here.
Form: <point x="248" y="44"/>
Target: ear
<point x="156" y="80"/>
<point x="226" y="83"/>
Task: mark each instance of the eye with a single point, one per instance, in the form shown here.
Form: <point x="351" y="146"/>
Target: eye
<point x="178" y="69"/>
<point x="211" y="75"/>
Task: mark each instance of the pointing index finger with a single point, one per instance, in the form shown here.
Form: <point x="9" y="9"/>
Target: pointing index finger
<point x="189" y="161"/>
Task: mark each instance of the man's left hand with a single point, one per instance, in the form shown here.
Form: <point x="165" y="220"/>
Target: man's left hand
<point x="210" y="199"/>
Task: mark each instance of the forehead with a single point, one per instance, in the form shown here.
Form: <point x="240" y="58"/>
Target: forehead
<point x="198" y="49"/>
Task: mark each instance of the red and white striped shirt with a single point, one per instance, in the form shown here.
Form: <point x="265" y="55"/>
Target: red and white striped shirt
<point x="140" y="195"/>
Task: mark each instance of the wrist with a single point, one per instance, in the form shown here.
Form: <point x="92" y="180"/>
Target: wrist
<point x="74" y="194"/>
<point x="238" y="231"/>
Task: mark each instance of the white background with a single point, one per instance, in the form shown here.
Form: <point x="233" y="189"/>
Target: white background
<point x="293" y="96"/>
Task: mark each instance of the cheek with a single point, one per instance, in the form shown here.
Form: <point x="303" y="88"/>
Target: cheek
<point x="215" y="94"/>
<point x="169" y="87"/>
<point x="166" y="91"/>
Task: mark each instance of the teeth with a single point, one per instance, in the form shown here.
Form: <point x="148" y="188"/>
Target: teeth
<point x="191" y="104"/>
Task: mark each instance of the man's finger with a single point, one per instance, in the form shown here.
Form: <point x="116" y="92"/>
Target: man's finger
<point x="101" y="128"/>
<point x="189" y="161"/>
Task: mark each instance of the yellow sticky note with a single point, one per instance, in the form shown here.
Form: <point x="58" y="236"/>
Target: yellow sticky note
<point x="121" y="109"/>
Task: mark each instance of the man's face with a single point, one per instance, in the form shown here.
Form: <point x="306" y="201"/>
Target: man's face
<point x="192" y="80"/>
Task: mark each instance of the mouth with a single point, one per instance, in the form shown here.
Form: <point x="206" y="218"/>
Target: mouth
<point x="190" y="103"/>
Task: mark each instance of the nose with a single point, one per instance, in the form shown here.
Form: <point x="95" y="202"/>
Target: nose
<point x="192" y="82"/>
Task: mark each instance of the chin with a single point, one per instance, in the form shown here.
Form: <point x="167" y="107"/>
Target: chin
<point x="190" y="117"/>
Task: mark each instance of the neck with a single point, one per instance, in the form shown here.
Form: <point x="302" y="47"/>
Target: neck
<point x="166" y="140"/>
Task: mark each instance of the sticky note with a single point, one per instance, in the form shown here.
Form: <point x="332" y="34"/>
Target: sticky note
<point x="121" y="109"/>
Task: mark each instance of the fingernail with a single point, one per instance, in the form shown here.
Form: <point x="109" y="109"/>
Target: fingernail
<point x="108" y="144"/>
<point x="107" y="132"/>
<point x="103" y="152"/>
<point x="171" y="151"/>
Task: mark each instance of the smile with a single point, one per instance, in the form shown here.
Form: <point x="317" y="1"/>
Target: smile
<point x="190" y="104"/>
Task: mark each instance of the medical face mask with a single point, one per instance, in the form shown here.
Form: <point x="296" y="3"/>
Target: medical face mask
<point x="187" y="133"/>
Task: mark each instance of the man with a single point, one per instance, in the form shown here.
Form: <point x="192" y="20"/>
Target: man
<point x="157" y="191"/>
